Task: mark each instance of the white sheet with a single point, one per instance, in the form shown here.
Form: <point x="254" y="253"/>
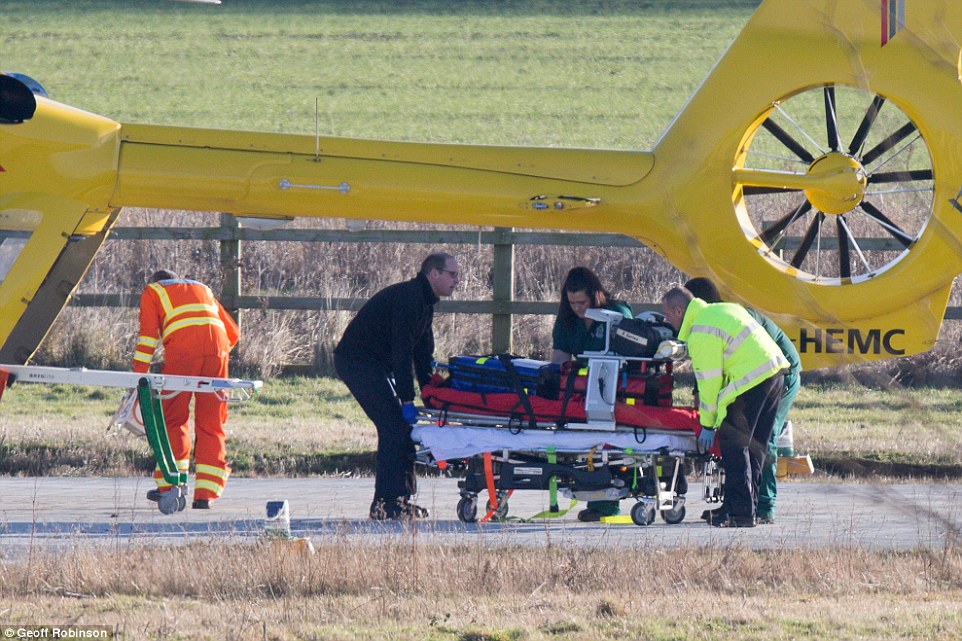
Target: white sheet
<point x="455" y="441"/>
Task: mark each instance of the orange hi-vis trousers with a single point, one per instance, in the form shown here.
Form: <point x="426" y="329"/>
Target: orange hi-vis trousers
<point x="210" y="414"/>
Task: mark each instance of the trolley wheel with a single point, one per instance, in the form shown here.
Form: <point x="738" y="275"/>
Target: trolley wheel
<point x="676" y="514"/>
<point x="501" y="511"/>
<point x="170" y="502"/>
<point x="182" y="503"/>
<point x="643" y="513"/>
<point x="468" y="509"/>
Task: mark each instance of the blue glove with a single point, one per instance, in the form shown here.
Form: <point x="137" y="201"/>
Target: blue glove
<point x="706" y="438"/>
<point x="410" y="413"/>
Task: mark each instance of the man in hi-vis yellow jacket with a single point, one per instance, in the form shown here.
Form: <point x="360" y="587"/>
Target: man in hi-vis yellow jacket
<point x="739" y="374"/>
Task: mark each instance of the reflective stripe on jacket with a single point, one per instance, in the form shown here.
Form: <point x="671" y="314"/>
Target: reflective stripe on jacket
<point x="186" y="318"/>
<point x="730" y="354"/>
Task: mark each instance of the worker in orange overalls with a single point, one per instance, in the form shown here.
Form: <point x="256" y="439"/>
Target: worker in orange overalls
<point x="198" y="335"/>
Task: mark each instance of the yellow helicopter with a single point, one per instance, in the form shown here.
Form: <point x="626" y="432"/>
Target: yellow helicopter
<point x="816" y="174"/>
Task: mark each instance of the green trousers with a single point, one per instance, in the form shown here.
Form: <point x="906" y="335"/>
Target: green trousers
<point x="767" y="490"/>
<point x="606" y="508"/>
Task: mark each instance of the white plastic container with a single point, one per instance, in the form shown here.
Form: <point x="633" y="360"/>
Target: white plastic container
<point x="785" y="443"/>
<point x="278" y="521"/>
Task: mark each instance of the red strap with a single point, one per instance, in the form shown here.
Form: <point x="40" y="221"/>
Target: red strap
<point x="492" y="492"/>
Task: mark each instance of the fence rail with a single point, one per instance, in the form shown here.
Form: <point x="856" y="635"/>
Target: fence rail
<point x="502" y="306"/>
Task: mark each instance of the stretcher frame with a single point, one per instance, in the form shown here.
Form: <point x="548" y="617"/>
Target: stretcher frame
<point x="615" y="467"/>
<point x="654" y="475"/>
<point x="149" y="389"/>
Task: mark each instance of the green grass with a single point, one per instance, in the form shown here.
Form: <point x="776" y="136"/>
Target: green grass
<point x="305" y="426"/>
<point x="604" y="74"/>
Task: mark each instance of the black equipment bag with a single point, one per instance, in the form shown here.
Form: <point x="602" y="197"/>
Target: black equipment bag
<point x="638" y="337"/>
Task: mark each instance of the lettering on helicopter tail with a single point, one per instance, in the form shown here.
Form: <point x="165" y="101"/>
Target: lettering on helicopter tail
<point x="955" y="201"/>
<point x="838" y="340"/>
<point x="893" y="18"/>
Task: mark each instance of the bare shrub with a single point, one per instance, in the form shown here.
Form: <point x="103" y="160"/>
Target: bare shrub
<point x="274" y="339"/>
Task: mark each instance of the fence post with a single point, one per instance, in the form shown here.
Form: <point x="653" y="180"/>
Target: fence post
<point x="502" y="290"/>
<point x="230" y="263"/>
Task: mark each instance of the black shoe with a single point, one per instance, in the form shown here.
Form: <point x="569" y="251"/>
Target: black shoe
<point x="717" y="518"/>
<point x="718" y="514"/>
<point x="200" y="504"/>
<point x="765" y="520"/>
<point x="733" y="521"/>
<point x="590" y="516"/>
<point x="413" y="511"/>
<point x="154" y="495"/>
<point x="399" y="508"/>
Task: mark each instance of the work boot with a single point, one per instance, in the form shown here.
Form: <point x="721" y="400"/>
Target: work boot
<point x="411" y="510"/>
<point x="154" y="495"/>
<point x="715" y="517"/>
<point x="765" y="518"/>
<point x="718" y="514"/>
<point x="399" y="508"/>
<point x="590" y="516"/>
<point x="201" y="504"/>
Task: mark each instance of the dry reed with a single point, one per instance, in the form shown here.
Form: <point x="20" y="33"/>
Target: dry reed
<point x="412" y="564"/>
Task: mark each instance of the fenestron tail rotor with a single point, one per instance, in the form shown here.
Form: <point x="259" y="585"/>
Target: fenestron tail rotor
<point x="835" y="184"/>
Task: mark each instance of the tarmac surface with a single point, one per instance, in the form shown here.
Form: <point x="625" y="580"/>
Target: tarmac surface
<point x="53" y="513"/>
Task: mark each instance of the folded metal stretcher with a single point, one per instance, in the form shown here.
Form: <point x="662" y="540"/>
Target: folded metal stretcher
<point x="597" y="440"/>
<point x="141" y="411"/>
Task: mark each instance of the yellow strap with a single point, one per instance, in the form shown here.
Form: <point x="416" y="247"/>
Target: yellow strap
<point x="618" y="519"/>
<point x="557" y="513"/>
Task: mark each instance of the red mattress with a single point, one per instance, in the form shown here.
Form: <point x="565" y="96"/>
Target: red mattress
<point x="441" y="397"/>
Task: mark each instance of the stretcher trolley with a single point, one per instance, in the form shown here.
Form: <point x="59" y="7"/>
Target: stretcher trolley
<point x="610" y="433"/>
<point x="645" y="464"/>
<point x="141" y="411"/>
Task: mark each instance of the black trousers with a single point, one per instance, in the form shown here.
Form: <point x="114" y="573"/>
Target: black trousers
<point x="371" y="384"/>
<point x="743" y="440"/>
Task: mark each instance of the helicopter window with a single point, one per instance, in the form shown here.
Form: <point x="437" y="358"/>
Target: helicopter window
<point x="11" y="244"/>
<point x="16" y="227"/>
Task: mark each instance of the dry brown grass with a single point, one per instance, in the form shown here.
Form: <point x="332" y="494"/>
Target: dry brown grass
<point x="408" y="587"/>
<point x="272" y="339"/>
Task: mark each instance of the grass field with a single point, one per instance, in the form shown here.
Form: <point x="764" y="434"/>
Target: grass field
<point x="304" y="426"/>
<point x="598" y="74"/>
<point x="410" y="589"/>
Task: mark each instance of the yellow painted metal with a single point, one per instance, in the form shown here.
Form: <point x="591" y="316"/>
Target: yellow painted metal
<point x="59" y="171"/>
<point x="794" y="466"/>
<point x="834" y="183"/>
<point x="93" y="222"/>
<point x="684" y="198"/>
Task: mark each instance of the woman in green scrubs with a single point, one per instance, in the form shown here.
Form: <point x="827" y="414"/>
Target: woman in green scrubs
<point x="574" y="334"/>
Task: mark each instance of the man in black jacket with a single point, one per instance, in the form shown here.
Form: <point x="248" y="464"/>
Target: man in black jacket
<point x="387" y="345"/>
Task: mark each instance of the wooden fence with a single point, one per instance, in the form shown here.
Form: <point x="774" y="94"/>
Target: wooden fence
<point x="502" y="306"/>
